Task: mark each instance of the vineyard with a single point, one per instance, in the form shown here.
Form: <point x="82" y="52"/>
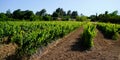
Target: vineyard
<point x="29" y="36"/>
<point x="109" y="30"/>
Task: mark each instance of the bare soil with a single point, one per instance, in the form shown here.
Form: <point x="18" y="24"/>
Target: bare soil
<point x="68" y="48"/>
<point x="7" y="50"/>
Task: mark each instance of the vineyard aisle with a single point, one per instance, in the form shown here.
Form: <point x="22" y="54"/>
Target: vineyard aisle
<point x="68" y="48"/>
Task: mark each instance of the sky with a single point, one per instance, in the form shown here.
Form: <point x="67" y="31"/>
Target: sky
<point x="86" y="7"/>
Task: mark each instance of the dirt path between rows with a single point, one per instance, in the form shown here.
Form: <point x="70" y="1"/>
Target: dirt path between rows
<point x="68" y="48"/>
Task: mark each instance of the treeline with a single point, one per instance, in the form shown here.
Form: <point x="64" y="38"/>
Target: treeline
<point x="106" y="17"/>
<point x="42" y="15"/>
<point x="58" y="14"/>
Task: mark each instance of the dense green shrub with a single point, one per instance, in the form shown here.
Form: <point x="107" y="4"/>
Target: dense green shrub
<point x="88" y="34"/>
<point x="109" y="30"/>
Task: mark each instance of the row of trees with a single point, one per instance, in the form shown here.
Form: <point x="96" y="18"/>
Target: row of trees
<point x="106" y="17"/>
<point x="58" y="14"/>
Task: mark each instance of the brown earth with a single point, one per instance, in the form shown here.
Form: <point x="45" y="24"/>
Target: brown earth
<point x="68" y="48"/>
<point x="7" y="50"/>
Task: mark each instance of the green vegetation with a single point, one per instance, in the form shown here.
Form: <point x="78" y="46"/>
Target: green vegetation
<point x="88" y="35"/>
<point x="17" y="28"/>
<point x="58" y="15"/>
<point x="109" y="30"/>
<point x="82" y="18"/>
<point x="31" y="35"/>
<point x="106" y="17"/>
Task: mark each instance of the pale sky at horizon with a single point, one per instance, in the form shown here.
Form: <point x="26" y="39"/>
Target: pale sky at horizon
<point x="86" y="7"/>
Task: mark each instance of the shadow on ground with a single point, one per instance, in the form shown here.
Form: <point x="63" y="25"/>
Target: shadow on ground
<point x="78" y="45"/>
<point x="15" y="57"/>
